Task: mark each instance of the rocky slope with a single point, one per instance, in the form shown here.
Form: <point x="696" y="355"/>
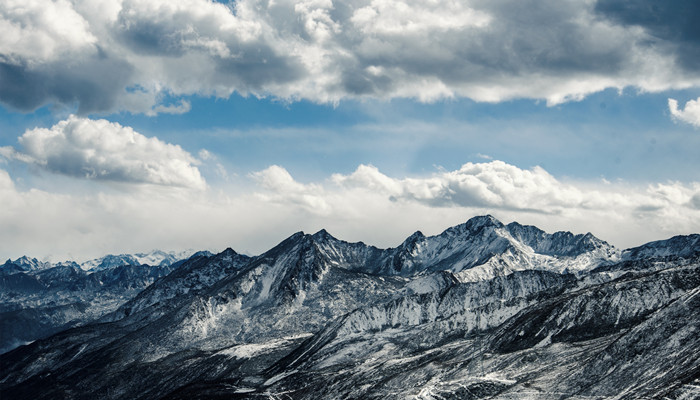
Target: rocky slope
<point x="482" y="310"/>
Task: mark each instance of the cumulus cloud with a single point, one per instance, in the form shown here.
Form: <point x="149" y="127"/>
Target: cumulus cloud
<point x="282" y="188"/>
<point x="531" y="196"/>
<point x="103" y="150"/>
<point x="494" y="184"/>
<point x="364" y="205"/>
<point x="689" y="114"/>
<point x="501" y="186"/>
<point x="36" y="32"/>
<point x="326" y="51"/>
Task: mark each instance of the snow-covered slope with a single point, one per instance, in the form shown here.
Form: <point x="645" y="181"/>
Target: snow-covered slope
<point x="599" y="342"/>
<point x="484" y="248"/>
<point x="482" y="310"/>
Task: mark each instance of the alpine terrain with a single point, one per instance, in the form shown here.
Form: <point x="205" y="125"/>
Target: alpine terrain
<point x="482" y="310"/>
<point x="38" y="299"/>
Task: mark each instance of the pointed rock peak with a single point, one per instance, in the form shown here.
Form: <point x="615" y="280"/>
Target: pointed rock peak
<point x="228" y="252"/>
<point x="292" y="240"/>
<point x="590" y="238"/>
<point x="417" y="235"/>
<point x="323" y="235"/>
<point x="227" y="255"/>
<point x="481" y="221"/>
<point x="411" y="241"/>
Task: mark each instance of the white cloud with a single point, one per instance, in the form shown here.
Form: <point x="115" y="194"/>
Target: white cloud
<point x="619" y="212"/>
<point x="689" y="114"/>
<point x="390" y="17"/>
<point x="205" y="155"/>
<point x="368" y="205"/>
<point x="365" y="205"/>
<point x="181" y="107"/>
<point x="103" y="150"/>
<point x="61" y="51"/>
<point x="36" y="31"/>
<point x="498" y="185"/>
<point x="282" y="188"/>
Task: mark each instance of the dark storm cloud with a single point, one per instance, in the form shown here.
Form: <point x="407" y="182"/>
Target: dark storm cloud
<point x="675" y="23"/>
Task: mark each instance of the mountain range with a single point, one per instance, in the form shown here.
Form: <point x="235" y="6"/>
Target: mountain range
<point x="482" y="310"/>
<point x="39" y="298"/>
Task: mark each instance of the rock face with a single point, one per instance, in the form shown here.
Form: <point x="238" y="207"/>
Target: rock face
<point x="483" y="310"/>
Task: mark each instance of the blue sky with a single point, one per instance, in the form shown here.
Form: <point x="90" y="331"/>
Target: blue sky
<point x="141" y="125"/>
<point x="609" y="135"/>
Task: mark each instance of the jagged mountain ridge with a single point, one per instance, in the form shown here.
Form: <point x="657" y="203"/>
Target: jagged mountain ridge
<point x="480" y="242"/>
<point x="153" y="258"/>
<point x="316" y="308"/>
<point x="38" y="299"/>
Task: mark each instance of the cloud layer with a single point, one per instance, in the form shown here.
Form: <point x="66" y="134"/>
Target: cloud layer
<point x="107" y="151"/>
<point x="365" y="205"/>
<point x="156" y="51"/>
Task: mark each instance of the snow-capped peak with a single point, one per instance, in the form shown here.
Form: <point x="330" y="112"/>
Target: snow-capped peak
<point x="26" y="264"/>
<point x="483" y="247"/>
<point x="154" y="258"/>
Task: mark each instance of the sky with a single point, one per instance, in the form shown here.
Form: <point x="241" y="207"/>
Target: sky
<point x="132" y="125"/>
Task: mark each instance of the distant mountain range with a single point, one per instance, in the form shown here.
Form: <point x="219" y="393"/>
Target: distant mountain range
<point x="38" y="298"/>
<point x="154" y="258"/>
<point x="482" y="310"/>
